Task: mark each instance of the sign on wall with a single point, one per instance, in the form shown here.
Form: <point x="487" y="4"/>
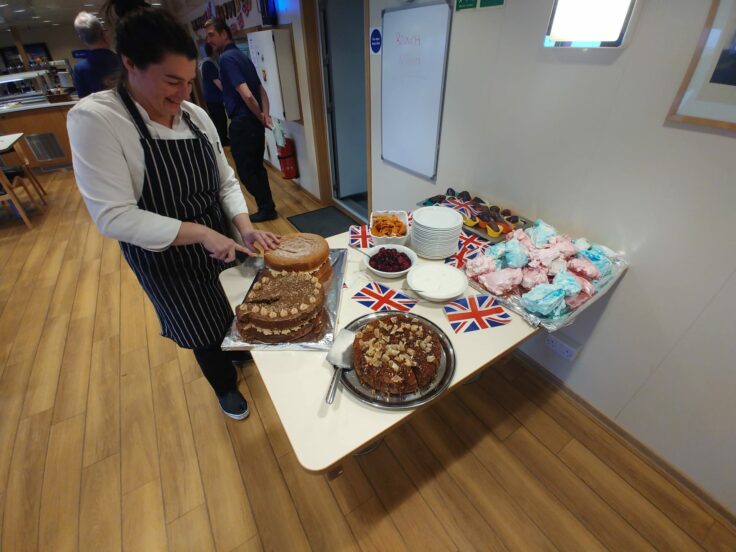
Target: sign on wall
<point x="238" y="14"/>
<point x="375" y="41"/>
<point x="465" y="4"/>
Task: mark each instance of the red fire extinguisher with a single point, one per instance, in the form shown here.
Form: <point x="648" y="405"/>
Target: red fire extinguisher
<point x="287" y="159"/>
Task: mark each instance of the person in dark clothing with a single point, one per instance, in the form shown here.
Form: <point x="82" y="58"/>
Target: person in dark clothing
<point x="247" y="106"/>
<point x="101" y="69"/>
<point x="212" y="88"/>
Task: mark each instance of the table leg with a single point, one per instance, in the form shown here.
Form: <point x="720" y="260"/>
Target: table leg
<point x="369" y="448"/>
<point x="472" y="379"/>
<point x="334" y="473"/>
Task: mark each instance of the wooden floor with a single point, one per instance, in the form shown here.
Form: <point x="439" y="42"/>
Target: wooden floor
<point x="110" y="438"/>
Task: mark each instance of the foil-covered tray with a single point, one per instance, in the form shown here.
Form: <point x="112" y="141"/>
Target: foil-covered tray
<point x="523" y="224"/>
<point x="321" y="342"/>
<point x="513" y="302"/>
<point x="375" y="398"/>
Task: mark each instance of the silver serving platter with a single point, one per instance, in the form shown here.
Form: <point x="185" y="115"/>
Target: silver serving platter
<point x="323" y="342"/>
<point x="410" y="400"/>
<point x="523" y="224"/>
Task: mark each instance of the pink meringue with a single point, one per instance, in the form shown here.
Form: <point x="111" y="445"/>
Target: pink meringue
<point x="533" y="276"/>
<point x="545" y="256"/>
<point x="502" y="281"/>
<point x="523" y="238"/>
<point x="576" y="300"/>
<point x="586" y="285"/>
<point x="583" y="267"/>
<point x="557" y="266"/>
<point x="480" y="264"/>
<point x="564" y="245"/>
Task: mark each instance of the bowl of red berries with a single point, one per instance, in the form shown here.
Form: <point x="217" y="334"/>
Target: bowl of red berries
<point x="389" y="261"/>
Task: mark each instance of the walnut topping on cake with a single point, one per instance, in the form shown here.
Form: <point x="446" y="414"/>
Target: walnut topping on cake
<point x="272" y="310"/>
<point x="396" y="354"/>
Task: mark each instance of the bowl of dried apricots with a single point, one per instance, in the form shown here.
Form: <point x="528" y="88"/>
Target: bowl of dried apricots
<point x="389" y="227"/>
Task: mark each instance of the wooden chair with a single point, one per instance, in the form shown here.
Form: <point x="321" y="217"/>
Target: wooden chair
<point x="27" y="168"/>
<point x="17" y="178"/>
<point x="7" y="195"/>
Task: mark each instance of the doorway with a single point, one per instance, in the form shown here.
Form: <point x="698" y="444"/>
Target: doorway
<point x="342" y="32"/>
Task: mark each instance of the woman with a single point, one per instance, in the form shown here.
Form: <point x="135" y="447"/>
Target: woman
<point x="153" y="176"/>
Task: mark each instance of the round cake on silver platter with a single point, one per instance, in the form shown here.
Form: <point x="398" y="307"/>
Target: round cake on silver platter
<point x="400" y="360"/>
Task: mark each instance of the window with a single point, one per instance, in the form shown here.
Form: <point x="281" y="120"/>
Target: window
<point x="589" y="23"/>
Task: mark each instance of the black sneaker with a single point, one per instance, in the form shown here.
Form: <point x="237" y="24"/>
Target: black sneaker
<point x="263" y="216"/>
<point x="233" y="404"/>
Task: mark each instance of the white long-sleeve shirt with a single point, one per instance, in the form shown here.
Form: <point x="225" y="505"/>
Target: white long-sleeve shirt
<point x="109" y="168"/>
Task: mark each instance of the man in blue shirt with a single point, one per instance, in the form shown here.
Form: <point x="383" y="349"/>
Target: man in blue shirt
<point x="247" y="106"/>
<point x="101" y="69"/>
<point x="212" y="89"/>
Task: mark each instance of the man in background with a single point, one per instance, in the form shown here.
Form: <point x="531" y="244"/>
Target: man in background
<point x="212" y="88"/>
<point x="247" y="106"/>
<point x="101" y="69"/>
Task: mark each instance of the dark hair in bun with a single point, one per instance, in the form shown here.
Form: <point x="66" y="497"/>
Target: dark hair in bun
<point x="146" y="34"/>
<point x="123" y="7"/>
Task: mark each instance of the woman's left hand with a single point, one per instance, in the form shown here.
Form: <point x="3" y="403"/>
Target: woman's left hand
<point x="267" y="240"/>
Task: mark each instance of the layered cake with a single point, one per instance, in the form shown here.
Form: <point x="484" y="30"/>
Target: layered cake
<point x="396" y="355"/>
<point x="301" y="253"/>
<point x="281" y="307"/>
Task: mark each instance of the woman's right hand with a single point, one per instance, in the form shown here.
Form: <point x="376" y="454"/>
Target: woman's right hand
<point x="221" y="247"/>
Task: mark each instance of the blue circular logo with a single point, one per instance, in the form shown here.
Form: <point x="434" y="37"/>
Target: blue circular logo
<point x="375" y="41"/>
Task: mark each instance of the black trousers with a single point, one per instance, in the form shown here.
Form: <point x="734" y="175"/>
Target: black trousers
<point x="217" y="366"/>
<point x="219" y="117"/>
<point x="247" y="143"/>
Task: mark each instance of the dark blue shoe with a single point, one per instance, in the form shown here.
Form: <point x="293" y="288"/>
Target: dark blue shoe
<point x="233" y="404"/>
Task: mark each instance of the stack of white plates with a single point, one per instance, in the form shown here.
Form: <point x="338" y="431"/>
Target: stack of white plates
<point x="435" y="232"/>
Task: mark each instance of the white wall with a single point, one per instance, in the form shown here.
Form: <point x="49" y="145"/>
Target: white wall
<point x="579" y="139"/>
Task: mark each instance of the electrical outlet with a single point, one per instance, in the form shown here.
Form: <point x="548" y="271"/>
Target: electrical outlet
<point x="563" y="346"/>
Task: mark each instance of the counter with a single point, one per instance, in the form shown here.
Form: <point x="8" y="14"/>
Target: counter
<point x="32" y="106"/>
<point x="43" y="124"/>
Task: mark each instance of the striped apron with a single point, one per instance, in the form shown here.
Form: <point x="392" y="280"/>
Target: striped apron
<point x="181" y="181"/>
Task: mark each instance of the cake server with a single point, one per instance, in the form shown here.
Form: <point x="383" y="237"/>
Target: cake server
<point x="340" y="356"/>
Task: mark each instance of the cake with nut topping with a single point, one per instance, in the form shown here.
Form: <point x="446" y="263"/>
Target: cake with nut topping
<point x="396" y="354"/>
<point x="281" y="307"/>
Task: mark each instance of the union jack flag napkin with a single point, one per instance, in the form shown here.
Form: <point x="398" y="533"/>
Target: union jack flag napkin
<point x="463" y="255"/>
<point x="476" y="312"/>
<point x="465" y="208"/>
<point x="469" y="245"/>
<point x="360" y="236"/>
<point x="472" y="241"/>
<point x="378" y="297"/>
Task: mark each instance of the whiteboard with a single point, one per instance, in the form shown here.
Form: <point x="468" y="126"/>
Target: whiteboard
<point x="413" y="63"/>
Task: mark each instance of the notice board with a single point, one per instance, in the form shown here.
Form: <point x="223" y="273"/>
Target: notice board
<point x="413" y="66"/>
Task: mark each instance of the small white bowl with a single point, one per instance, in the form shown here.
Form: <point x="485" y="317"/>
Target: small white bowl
<point x="385" y="240"/>
<point x="373" y="250"/>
